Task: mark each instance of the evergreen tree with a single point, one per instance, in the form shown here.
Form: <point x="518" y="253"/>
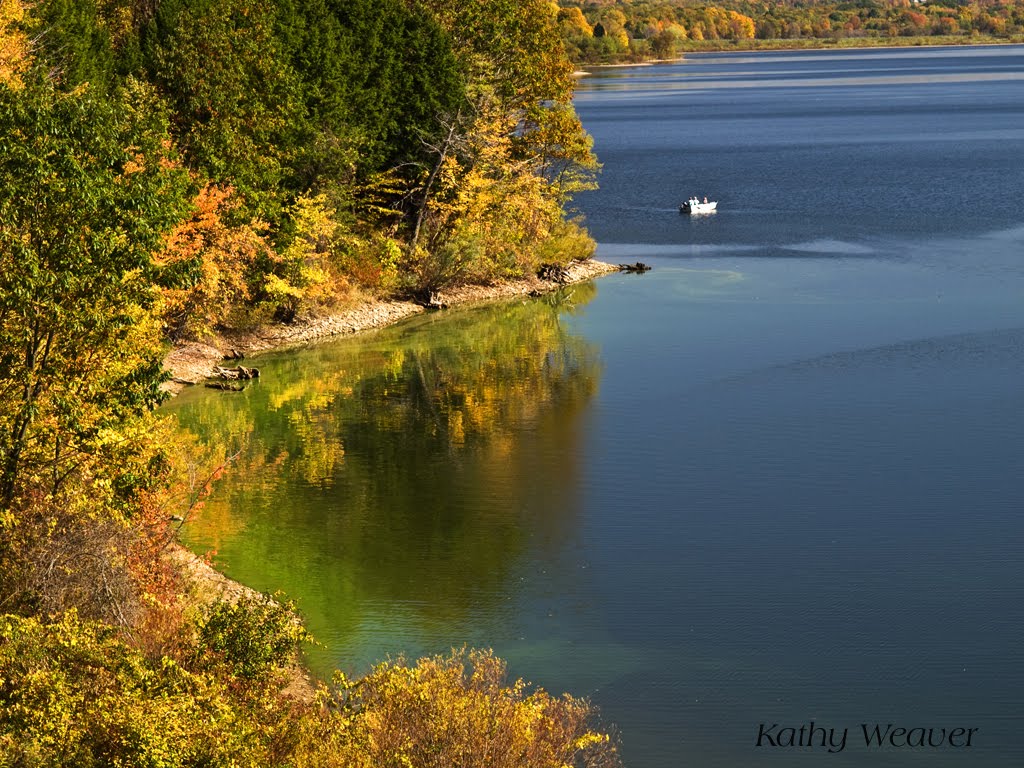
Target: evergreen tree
<point x="235" y="99"/>
<point x="73" y="43"/>
<point x="399" y="76"/>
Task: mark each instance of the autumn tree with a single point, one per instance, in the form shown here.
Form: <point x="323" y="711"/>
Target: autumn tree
<point x="209" y="264"/>
<point x="504" y="165"/>
<point x="572" y="23"/>
<point x="14" y="43"/>
<point x="87" y="193"/>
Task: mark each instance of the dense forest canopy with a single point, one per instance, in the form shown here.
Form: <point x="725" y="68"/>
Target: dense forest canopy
<point x="171" y="168"/>
<point x="609" y="30"/>
<point x="350" y="145"/>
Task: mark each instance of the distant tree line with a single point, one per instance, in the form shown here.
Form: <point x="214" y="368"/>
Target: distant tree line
<point x="642" y="29"/>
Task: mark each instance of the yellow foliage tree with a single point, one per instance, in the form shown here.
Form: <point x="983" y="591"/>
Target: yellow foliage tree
<point x="510" y="159"/>
<point x="573" y="23"/>
<point x="307" y="273"/>
<point x="495" y="206"/>
<point x="14" y="44"/>
<point x="741" y="27"/>
<point x="88" y="189"/>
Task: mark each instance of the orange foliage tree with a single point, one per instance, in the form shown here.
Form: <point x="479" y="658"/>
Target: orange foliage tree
<point x="207" y="264"/>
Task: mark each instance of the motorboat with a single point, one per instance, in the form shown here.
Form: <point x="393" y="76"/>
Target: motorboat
<point x="693" y="206"/>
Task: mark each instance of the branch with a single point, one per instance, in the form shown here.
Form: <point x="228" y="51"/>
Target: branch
<point x="203" y="490"/>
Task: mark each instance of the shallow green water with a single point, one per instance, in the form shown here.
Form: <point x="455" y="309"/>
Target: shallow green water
<point x="396" y="484"/>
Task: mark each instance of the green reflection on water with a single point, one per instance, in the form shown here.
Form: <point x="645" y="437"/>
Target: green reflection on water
<point x="396" y="484"/>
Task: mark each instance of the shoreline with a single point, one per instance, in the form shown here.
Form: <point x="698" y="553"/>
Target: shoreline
<point x="582" y="68"/>
<point x="203" y="585"/>
<point x="193" y="362"/>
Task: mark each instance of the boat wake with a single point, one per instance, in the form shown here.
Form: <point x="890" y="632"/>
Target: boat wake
<point x="826" y="245"/>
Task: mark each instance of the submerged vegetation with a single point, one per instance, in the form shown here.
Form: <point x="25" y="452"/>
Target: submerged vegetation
<point x="171" y="168"/>
<point x="603" y="31"/>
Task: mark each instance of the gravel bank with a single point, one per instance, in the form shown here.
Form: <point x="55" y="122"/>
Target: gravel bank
<point x="192" y="363"/>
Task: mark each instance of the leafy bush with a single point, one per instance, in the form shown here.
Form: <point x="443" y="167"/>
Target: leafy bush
<point x="253" y="637"/>
<point x="74" y="694"/>
<point x="460" y="710"/>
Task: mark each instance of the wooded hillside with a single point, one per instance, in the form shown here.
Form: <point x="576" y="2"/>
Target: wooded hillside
<point x="171" y="167"/>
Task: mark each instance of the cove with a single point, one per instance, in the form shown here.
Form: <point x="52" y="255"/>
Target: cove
<point x="412" y="467"/>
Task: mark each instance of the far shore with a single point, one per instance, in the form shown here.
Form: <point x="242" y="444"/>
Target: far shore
<point x="815" y="44"/>
<point x="194" y="362"/>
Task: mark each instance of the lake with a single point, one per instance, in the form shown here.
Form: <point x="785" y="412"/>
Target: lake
<point x="774" y="481"/>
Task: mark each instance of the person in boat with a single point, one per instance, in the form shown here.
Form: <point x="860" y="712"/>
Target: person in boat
<point x="705" y="198"/>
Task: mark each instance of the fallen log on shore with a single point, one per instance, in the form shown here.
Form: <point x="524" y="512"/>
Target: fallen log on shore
<point x="241" y="373"/>
<point x="554" y="272"/>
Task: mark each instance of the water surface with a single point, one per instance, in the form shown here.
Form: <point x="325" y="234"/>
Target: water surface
<point x="774" y="480"/>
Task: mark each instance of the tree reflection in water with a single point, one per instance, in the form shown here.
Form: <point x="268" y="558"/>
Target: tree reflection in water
<point x="394" y="483"/>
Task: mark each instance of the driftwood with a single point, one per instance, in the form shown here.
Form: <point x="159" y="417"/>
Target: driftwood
<point x="554" y="272"/>
<point x="241" y="373"/>
<point x="638" y="267"/>
<point x="227" y="379"/>
<point x="429" y="299"/>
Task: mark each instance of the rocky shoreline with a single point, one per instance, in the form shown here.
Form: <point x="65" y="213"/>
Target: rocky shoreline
<point x="192" y="363"/>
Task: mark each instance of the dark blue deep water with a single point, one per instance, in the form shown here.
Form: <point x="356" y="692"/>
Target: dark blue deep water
<point x="775" y="480"/>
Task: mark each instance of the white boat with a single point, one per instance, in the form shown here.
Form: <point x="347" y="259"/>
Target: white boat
<point x="693" y="206"/>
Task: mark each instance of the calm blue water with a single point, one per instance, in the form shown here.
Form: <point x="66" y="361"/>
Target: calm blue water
<point x="774" y="480"/>
<point x="818" y="396"/>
